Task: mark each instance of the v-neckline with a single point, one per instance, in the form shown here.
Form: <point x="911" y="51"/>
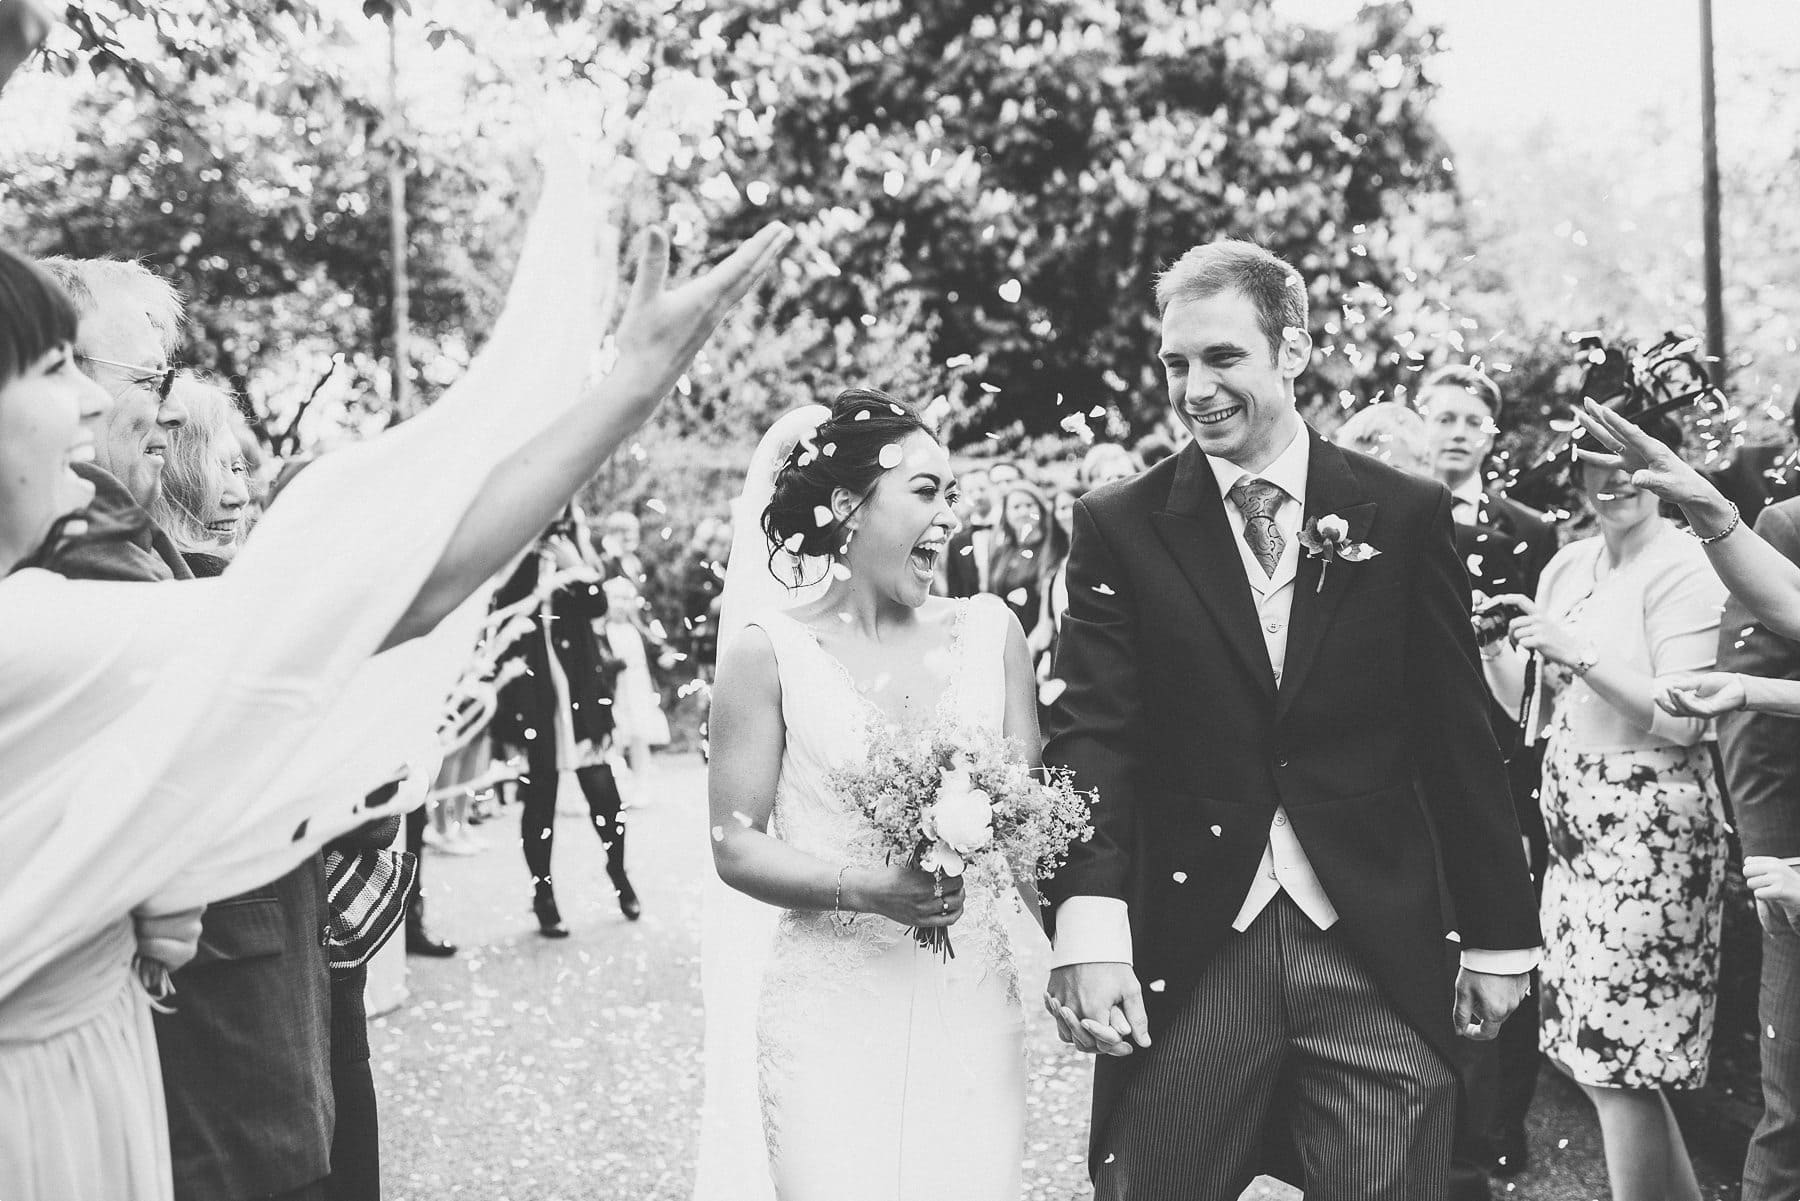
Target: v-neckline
<point x="958" y="627"/>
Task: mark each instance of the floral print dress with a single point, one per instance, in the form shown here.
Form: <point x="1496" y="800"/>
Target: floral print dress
<point x="1633" y="894"/>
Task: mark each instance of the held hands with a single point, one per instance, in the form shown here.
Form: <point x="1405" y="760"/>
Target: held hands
<point x="910" y="896"/>
<point x="172" y="939"/>
<point x="1701" y="694"/>
<point x="663" y="328"/>
<point x="1484" y="1001"/>
<point x="1098" y="1007"/>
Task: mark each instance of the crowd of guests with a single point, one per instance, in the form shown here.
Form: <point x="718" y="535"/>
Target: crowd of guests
<point x="1014" y="539"/>
<point x="1586" y="631"/>
<point x="1617" y="661"/>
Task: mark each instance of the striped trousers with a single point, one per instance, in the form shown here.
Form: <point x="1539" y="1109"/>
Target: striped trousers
<point x="1284" y="1028"/>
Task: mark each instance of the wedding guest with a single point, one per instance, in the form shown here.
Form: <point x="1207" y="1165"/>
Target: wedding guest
<point x="1105" y="462"/>
<point x="621" y="535"/>
<point x="1004" y="473"/>
<point x="1025" y="554"/>
<point x="1761" y="754"/>
<point x="1390" y="432"/>
<point x="1056" y="588"/>
<point x="356" y="1132"/>
<point x="130" y="324"/>
<point x="1632" y="897"/>
<point x="638" y="721"/>
<point x="559" y="714"/>
<point x="968" y="559"/>
<point x="205" y="493"/>
<point x="148" y="747"/>
<point x="1505" y="546"/>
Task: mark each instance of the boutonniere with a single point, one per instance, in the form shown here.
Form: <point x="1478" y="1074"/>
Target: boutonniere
<point x="1328" y="538"/>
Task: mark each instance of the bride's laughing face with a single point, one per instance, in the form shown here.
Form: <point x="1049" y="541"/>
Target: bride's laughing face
<point x="902" y="530"/>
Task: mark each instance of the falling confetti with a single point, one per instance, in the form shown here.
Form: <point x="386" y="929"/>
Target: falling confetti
<point x="890" y="456"/>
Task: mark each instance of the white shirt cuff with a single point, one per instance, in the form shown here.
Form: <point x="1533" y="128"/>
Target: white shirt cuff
<point x="1091" y="930"/>
<point x="1503" y="963"/>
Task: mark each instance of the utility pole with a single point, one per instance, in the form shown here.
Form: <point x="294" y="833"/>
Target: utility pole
<point x="399" y="395"/>
<point x="1709" y="201"/>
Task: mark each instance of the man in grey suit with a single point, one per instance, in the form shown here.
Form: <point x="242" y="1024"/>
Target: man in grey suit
<point x="1762" y="773"/>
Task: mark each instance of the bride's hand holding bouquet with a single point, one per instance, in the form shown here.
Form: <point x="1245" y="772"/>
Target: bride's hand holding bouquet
<point x="952" y="805"/>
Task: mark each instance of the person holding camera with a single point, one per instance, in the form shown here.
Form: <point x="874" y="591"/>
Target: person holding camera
<point x="1632" y="897"/>
<point x="559" y="712"/>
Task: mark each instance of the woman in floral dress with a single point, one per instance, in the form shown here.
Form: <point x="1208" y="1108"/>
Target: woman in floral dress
<point x="1632" y="896"/>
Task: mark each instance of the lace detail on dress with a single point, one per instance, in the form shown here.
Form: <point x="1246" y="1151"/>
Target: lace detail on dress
<point x="816" y="962"/>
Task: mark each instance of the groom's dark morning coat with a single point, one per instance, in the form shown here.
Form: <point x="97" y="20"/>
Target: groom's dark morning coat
<point x="1377" y="743"/>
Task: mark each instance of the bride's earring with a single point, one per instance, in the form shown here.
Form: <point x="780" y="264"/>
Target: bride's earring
<point x="849" y="533"/>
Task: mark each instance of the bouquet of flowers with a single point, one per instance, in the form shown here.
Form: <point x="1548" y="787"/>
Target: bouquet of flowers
<point x="951" y="803"/>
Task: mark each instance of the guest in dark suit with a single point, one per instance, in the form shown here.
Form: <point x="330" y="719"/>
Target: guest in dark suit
<point x="1762" y="774"/>
<point x="969" y="556"/>
<point x="1505" y="546"/>
<point x="1290" y="758"/>
<point x="559" y="713"/>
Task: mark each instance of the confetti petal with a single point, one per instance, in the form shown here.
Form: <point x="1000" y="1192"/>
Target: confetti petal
<point x="1049" y="690"/>
<point x="821" y="516"/>
<point x="890" y="456"/>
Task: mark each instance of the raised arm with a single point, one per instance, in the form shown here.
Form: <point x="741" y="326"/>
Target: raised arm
<point x="657" y="337"/>
<point x="1763" y="580"/>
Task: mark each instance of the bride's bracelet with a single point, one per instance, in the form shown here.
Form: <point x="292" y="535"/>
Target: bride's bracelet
<point x="837" y="901"/>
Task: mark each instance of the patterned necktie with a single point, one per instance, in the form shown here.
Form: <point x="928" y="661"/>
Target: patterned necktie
<point x="1257" y="500"/>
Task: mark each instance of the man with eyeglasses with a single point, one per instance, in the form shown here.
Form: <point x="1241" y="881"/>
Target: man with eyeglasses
<point x="1505" y="546"/>
<point x="130" y="325"/>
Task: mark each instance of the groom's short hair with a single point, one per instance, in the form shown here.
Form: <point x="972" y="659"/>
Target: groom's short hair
<point x="1231" y="265"/>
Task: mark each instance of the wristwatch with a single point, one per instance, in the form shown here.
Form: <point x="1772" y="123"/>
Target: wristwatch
<point x="1585" y="663"/>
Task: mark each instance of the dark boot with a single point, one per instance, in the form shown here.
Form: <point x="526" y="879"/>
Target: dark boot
<point x="418" y="942"/>
<point x="550" y="923"/>
<point x="629" y="904"/>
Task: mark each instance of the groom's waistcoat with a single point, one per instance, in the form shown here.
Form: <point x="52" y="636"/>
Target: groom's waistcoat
<point x="1376" y="743"/>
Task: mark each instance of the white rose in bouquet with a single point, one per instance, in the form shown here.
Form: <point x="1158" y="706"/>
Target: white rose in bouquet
<point x="960" y="821"/>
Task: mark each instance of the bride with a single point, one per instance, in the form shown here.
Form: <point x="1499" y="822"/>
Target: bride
<point x="883" y="1073"/>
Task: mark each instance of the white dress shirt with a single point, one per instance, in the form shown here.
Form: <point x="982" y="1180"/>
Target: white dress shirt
<point x="1098" y="929"/>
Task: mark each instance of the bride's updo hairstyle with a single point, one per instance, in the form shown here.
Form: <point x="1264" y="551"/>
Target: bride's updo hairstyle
<point x="845" y="453"/>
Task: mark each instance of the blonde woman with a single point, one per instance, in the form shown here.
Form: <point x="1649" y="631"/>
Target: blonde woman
<point x="206" y="479"/>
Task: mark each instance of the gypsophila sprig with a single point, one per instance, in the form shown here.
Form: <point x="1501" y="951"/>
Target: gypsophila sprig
<point x="954" y="803"/>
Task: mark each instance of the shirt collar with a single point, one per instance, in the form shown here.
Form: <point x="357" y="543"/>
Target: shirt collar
<point x="1469" y="490"/>
<point x="1288" y="471"/>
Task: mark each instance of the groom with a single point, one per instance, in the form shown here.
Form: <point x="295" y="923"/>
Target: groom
<point x="1306" y="880"/>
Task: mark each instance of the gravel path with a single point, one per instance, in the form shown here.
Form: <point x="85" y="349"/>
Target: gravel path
<point x="530" y="1070"/>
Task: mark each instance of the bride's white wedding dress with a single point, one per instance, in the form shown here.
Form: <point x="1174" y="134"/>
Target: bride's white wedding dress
<point x="885" y="1074"/>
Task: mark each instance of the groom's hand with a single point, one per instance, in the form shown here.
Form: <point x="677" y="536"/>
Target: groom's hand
<point x="1484" y="1001"/>
<point x="1098" y="1007"/>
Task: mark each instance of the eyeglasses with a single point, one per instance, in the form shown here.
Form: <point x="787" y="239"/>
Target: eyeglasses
<point x="159" y="379"/>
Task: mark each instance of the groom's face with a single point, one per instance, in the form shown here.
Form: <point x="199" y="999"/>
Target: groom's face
<point x="1233" y="393"/>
